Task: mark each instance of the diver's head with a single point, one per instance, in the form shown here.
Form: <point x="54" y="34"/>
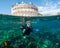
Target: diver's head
<point x="28" y="23"/>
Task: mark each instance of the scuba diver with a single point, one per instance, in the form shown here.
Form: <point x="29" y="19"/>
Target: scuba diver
<point x="26" y="29"/>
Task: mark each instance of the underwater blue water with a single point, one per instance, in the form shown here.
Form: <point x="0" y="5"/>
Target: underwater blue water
<point x="46" y="31"/>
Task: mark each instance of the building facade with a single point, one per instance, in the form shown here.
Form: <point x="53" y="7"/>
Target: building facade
<point x="24" y="9"/>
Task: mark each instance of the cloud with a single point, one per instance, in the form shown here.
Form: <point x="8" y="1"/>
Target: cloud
<point x="52" y="9"/>
<point x="58" y="2"/>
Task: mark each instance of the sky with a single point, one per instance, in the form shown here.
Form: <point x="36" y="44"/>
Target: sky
<point x="44" y="6"/>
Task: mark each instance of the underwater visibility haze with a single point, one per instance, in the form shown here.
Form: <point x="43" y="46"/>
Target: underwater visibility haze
<point x="45" y="34"/>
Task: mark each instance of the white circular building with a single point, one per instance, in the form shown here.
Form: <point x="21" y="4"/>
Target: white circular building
<point x="24" y="9"/>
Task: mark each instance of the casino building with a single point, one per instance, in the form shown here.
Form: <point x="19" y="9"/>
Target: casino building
<point x="24" y="9"/>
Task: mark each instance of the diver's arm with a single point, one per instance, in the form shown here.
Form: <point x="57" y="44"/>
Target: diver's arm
<point x="24" y="30"/>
